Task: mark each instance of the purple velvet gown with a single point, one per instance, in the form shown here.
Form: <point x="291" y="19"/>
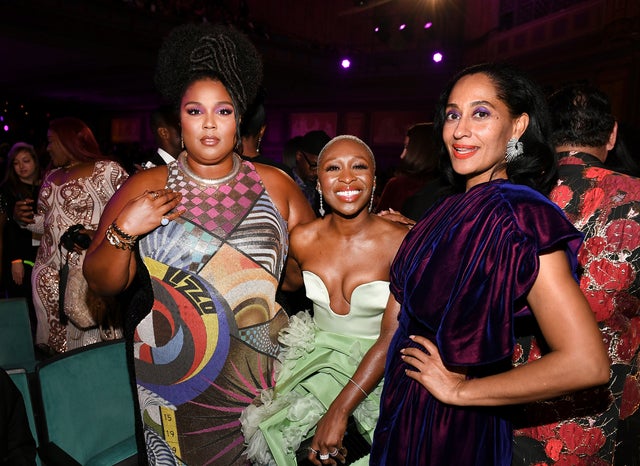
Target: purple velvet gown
<point x="462" y="276"/>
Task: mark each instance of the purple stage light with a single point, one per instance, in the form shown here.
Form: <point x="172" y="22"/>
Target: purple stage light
<point x="402" y="26"/>
<point x="428" y="24"/>
<point x="345" y="63"/>
<point x="437" y="57"/>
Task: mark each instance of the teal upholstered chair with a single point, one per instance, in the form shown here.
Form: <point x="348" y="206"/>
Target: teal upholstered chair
<point x="16" y="342"/>
<point x="21" y="379"/>
<point x="88" y="409"/>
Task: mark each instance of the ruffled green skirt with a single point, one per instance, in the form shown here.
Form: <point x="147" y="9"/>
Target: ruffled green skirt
<point x="316" y="365"/>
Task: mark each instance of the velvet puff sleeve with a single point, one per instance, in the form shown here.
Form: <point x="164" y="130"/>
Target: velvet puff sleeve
<point x="464" y="271"/>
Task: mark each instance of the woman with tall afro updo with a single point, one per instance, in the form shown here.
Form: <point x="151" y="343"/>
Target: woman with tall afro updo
<point x="198" y="248"/>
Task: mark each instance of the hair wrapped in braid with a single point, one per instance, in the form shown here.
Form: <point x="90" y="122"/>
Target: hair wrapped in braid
<point x="191" y="52"/>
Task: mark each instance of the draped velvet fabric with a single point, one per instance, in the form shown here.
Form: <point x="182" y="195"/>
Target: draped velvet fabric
<point x="462" y="276"/>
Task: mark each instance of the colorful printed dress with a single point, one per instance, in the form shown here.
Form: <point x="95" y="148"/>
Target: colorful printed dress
<point x="79" y="201"/>
<point x="599" y="426"/>
<point x="208" y="344"/>
<point x="319" y="357"/>
<point x="461" y="276"/>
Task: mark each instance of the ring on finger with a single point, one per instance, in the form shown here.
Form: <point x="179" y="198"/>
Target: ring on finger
<point x="164" y="222"/>
<point x="324" y="456"/>
<point x="313" y="450"/>
<point x="154" y="195"/>
<point x="334" y="452"/>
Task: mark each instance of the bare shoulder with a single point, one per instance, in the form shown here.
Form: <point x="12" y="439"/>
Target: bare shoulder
<point x="273" y="176"/>
<point x="391" y="231"/>
<point x="286" y="195"/>
<point x="145" y="180"/>
<point x="308" y="232"/>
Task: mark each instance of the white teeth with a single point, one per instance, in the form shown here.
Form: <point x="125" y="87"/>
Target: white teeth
<point x="348" y="193"/>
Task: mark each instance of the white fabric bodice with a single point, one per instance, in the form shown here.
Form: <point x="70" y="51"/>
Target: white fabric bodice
<point x="368" y="302"/>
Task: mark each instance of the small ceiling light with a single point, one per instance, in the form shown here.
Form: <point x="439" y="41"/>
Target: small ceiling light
<point x="428" y="25"/>
<point x="376" y="29"/>
<point x="345" y="63"/>
<point x="402" y="26"/>
<point x="6" y="127"/>
<point x="437" y="57"/>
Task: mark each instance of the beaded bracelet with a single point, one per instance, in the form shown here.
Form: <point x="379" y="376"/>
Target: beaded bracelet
<point x="120" y="239"/>
<point x="122" y="234"/>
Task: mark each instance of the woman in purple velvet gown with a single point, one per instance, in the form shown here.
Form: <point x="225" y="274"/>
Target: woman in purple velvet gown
<point x="494" y="252"/>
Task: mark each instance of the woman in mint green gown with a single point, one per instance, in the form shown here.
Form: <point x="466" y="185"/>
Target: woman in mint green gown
<point x="344" y="259"/>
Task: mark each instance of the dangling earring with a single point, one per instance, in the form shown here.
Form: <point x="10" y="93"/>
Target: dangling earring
<point x="181" y="142"/>
<point x="258" y="145"/>
<point x="514" y="149"/>
<point x="321" y="209"/>
<point x="373" y="191"/>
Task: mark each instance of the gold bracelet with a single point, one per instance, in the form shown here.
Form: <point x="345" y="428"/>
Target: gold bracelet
<point x="361" y="389"/>
<point x="117" y="241"/>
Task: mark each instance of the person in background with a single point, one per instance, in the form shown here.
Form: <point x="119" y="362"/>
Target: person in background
<point x="495" y="251"/>
<point x="601" y="425"/>
<point x="289" y="151"/>
<point x="74" y="192"/>
<point x="19" y="246"/>
<point x="418" y="165"/>
<point x="198" y="248"/>
<point x="345" y="258"/>
<point x="165" y="126"/>
<point x="305" y="172"/>
<point x="252" y="128"/>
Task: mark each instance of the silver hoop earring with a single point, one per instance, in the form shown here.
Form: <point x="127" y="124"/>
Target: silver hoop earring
<point x="514" y="150"/>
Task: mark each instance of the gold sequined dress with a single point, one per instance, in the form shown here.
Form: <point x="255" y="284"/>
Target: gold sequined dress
<point x="78" y="201"/>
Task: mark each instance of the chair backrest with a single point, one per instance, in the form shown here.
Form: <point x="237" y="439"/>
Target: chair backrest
<point x="87" y="400"/>
<point x="16" y="350"/>
<point x="20" y="379"/>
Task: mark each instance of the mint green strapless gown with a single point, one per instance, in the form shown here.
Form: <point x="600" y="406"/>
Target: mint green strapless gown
<point x="319" y="355"/>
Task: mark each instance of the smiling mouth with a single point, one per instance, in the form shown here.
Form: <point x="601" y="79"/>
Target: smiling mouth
<point x="464" y="152"/>
<point x="348" y="194"/>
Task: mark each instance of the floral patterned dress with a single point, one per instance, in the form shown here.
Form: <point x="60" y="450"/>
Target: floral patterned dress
<point x="596" y="426"/>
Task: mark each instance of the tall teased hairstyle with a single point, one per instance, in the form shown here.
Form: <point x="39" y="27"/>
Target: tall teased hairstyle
<point x="537" y="167"/>
<point x="11" y="179"/>
<point x="580" y="116"/>
<point x="348" y="137"/>
<point x="77" y="138"/>
<point x="192" y="52"/>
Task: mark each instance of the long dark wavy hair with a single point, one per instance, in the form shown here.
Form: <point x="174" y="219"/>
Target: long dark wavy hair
<point x="537" y="167"/>
<point x="11" y="181"/>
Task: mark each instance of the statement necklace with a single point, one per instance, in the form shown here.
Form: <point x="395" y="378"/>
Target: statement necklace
<point x="182" y="162"/>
